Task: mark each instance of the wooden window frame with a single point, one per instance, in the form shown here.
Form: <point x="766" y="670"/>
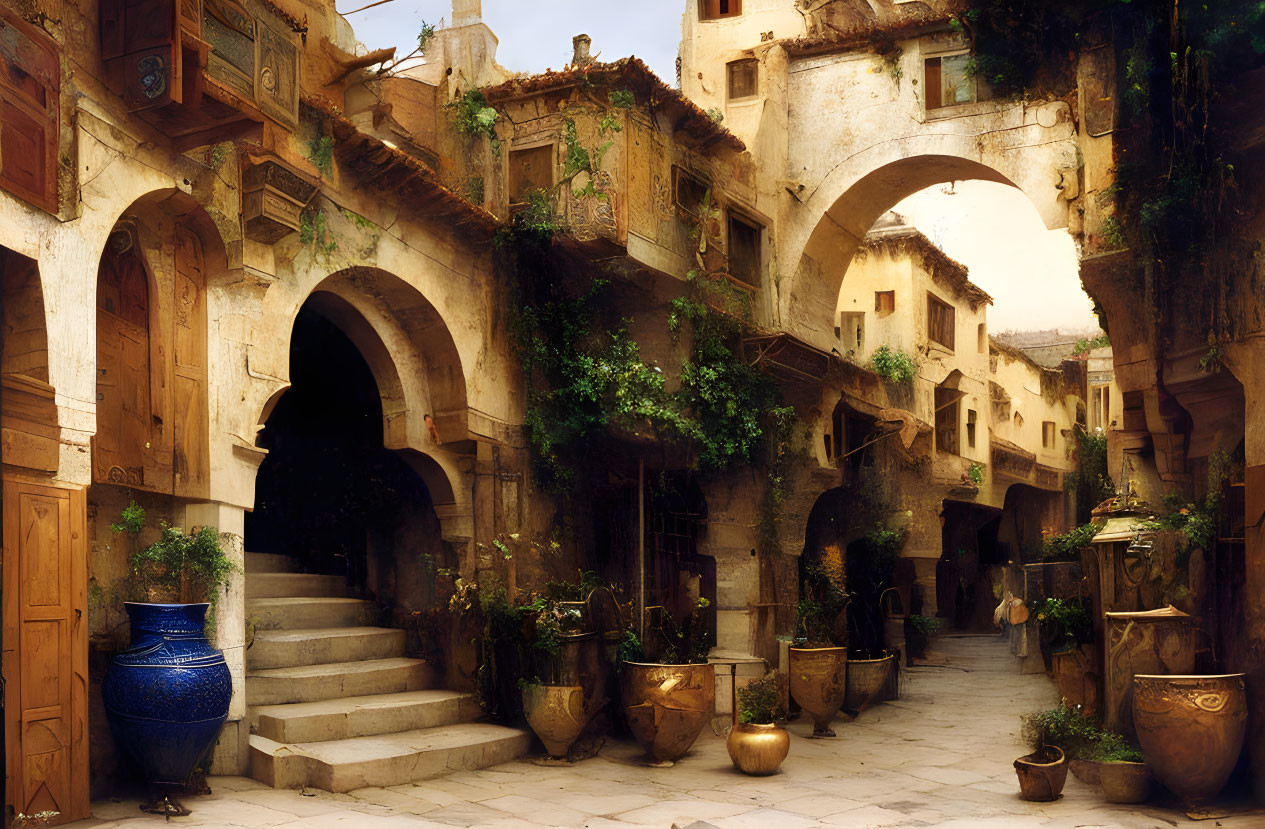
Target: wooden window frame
<point x="16" y="102"/>
<point x="971" y="418"/>
<point x="933" y="83"/>
<point x="715" y="9"/>
<point x="1049" y="434"/>
<point x="852" y="330"/>
<point x="947" y="421"/>
<point x="946" y="336"/>
<point x="681" y="175"/>
<point x="515" y="202"/>
<point x="757" y="277"/>
<point x="884" y="302"/>
<point x="754" y="65"/>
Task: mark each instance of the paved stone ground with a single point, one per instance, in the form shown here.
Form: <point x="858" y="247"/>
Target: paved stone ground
<point x="940" y="756"/>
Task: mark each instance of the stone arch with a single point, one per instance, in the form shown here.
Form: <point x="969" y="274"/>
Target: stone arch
<point x="29" y="407"/>
<point x="851" y="197"/>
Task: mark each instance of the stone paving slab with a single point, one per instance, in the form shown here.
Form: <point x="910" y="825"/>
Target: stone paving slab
<point x="939" y="757"/>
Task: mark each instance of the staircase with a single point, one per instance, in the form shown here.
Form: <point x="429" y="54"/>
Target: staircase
<point x="334" y="704"/>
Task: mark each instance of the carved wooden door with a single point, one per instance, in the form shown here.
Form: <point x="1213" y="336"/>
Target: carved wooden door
<point x="45" y="651"/>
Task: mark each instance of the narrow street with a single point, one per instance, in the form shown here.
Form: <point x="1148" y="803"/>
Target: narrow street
<point x="940" y="756"/>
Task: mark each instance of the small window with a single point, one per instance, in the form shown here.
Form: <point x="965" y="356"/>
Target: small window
<point x="947" y="400"/>
<point x="884" y="302"/>
<point x="970" y="428"/>
<point x="940" y="322"/>
<point x="530" y="170"/>
<point x="852" y="330"/>
<point x="1106" y="407"/>
<point x="949" y="83"/>
<point x="717" y="9"/>
<point x="744" y="251"/>
<point x="744" y="79"/>
<point x="981" y="338"/>
<point x="690" y="192"/>
<point x="1047" y="434"/>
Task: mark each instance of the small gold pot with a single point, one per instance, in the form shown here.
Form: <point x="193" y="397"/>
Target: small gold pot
<point x="819" y="684"/>
<point x="758" y="748"/>
<point x="556" y="713"/>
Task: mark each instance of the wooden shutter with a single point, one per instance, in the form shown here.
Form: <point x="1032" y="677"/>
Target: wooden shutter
<point x="30" y="82"/>
<point x="190" y="399"/>
<point x="140" y="42"/>
<point x="941" y="325"/>
<point x="45" y="651"/>
<point x="933" y="84"/>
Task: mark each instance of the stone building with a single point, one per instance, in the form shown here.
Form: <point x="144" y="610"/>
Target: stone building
<point x="249" y="281"/>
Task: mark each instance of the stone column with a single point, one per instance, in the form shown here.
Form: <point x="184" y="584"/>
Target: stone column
<point x="231" y="754"/>
<point x="1247" y="360"/>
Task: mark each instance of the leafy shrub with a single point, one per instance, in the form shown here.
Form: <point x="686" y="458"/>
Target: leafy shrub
<point x="893" y="364"/>
<point x="760" y="701"/>
<point x="192" y="566"/>
<point x="1067" y="546"/>
<point x="1078" y="735"/>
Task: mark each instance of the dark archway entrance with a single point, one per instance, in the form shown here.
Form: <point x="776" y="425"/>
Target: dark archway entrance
<point x="969" y="567"/>
<point x="328" y="494"/>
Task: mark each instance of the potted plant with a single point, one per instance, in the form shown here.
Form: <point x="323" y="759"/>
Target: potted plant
<point x="918" y="633"/>
<point x="819" y="658"/>
<point x="668" y="701"/>
<point x="1095" y="756"/>
<point x="1042" y="774"/>
<point x="167" y="695"/>
<point x="758" y="744"/>
<point x="1122" y="772"/>
<point x="555" y="707"/>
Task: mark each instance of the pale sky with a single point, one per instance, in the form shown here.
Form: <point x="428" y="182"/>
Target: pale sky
<point x="991" y="228"/>
<point x="997" y="233"/>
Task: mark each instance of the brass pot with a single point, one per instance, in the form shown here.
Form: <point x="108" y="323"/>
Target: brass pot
<point x="667" y="706"/>
<point x="1124" y="782"/>
<point x="1042" y="774"/>
<point x="758" y="748"/>
<point x="819" y="684"/>
<point x="869" y="681"/>
<point x="1191" y="730"/>
<point x="556" y="713"/>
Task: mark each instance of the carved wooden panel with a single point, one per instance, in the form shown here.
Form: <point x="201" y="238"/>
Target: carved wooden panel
<point x="45" y="658"/>
<point x="277" y="82"/>
<point x="190" y="399"/>
<point x="30" y="82"/>
<point x="231" y="31"/>
<point x="124" y="410"/>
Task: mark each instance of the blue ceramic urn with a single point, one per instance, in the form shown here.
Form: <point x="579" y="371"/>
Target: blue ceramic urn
<point x="167" y="695"/>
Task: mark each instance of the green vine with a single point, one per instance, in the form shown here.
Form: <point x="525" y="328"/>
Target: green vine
<point x="321" y="154"/>
<point x="893" y="364"/>
<point x="473" y="117"/>
<point x="314" y="233"/>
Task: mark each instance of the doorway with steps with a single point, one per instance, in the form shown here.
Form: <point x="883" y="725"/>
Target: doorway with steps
<point x="342" y="545"/>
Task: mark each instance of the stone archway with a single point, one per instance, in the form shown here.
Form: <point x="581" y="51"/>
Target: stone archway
<point x="845" y="205"/>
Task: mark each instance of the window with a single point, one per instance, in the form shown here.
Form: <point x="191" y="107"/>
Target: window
<point x="30" y="77"/>
<point x="970" y="428"/>
<point x="981" y="339"/>
<point x="744" y="251"/>
<point x="744" y="79"/>
<point x="949" y="83"/>
<point x="852" y="330"/>
<point x="1106" y="407"/>
<point x="947" y="419"/>
<point x="717" y="9"/>
<point x="940" y="322"/>
<point x="884" y="302"/>
<point x="530" y="170"/>
<point x="1047" y="434"/>
<point x="690" y="192"/>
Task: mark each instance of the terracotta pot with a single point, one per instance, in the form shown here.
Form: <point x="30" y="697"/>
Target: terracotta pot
<point x="1124" y="782"/>
<point x="819" y="684"/>
<point x="1191" y="730"/>
<point x="1152" y="642"/>
<point x="1042" y="774"/>
<point x="556" y="713"/>
<point x="1086" y="771"/>
<point x="667" y="706"/>
<point x="758" y="748"/>
<point x="869" y="681"/>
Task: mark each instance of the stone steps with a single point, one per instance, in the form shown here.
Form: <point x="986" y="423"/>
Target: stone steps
<point x="304" y="612"/>
<point x="384" y="760"/>
<point x="320" y="646"/>
<point x="339" y="719"/>
<point x="333" y="703"/>
<point x="311" y="683"/>
<point x="270" y="563"/>
<point x="280" y="585"/>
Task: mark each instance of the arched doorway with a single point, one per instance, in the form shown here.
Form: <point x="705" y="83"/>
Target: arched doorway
<point x="329" y="495"/>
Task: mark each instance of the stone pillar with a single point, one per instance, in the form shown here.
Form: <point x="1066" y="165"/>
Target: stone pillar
<point x="1247" y="361"/>
<point x="231" y="754"/>
<point x="467" y="12"/>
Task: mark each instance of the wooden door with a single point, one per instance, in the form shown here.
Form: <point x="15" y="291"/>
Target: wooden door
<point x="45" y="651"/>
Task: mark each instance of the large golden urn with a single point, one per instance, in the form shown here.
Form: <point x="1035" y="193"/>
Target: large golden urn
<point x="667" y="706"/>
<point x="1191" y="730"/>
<point x="1151" y="642"/>
<point x="819" y="683"/>
<point x="758" y="748"/>
<point x="557" y="714"/>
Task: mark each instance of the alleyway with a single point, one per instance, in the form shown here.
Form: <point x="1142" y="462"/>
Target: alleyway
<point x="941" y="756"/>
